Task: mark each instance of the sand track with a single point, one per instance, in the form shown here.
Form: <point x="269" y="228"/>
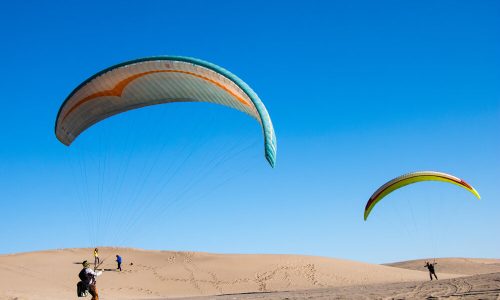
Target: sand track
<point x="485" y="286"/>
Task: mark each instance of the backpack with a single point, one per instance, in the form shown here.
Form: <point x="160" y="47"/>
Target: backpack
<point x="84" y="276"/>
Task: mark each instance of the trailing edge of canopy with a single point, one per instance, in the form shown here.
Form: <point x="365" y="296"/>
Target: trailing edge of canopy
<point x="410" y="178"/>
<point x="267" y="127"/>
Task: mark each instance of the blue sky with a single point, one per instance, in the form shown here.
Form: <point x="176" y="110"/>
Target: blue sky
<point x="359" y="92"/>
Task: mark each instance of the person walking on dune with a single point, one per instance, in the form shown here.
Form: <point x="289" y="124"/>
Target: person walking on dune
<point x="430" y="267"/>
<point x="119" y="262"/>
<point x="88" y="281"/>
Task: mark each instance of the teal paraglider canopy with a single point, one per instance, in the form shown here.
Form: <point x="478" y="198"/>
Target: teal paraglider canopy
<point x="159" y="80"/>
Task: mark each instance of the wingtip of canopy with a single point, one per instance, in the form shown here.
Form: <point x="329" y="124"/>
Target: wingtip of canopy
<point x="271" y="161"/>
<point x="270" y="154"/>
<point x="63" y="140"/>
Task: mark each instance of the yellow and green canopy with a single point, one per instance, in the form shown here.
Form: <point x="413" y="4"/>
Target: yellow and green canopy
<point x="410" y="178"/>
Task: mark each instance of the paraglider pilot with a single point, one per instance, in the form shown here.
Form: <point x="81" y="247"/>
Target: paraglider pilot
<point x="430" y="267"/>
<point x="88" y="281"/>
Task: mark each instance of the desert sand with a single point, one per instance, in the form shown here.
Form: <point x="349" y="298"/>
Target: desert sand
<point x="167" y="274"/>
<point x="486" y="286"/>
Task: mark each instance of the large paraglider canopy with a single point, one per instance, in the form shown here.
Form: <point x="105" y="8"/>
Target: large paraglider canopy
<point x="410" y="178"/>
<point x="158" y="80"/>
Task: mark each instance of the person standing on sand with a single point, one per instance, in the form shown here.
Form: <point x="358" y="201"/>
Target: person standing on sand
<point x="88" y="279"/>
<point x="431" y="269"/>
<point x="119" y="262"/>
<point x="96" y="257"/>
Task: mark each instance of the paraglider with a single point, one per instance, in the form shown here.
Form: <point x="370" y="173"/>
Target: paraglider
<point x="158" y="80"/>
<point x="410" y="178"/>
<point x="140" y="83"/>
<point x="431" y="268"/>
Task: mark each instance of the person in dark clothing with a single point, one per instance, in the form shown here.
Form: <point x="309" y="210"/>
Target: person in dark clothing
<point x="430" y="267"/>
<point x="119" y="262"/>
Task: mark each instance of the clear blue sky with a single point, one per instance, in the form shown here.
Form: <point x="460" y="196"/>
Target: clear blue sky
<point x="359" y="92"/>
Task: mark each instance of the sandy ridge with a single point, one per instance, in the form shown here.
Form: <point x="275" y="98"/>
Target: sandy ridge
<point x="165" y="274"/>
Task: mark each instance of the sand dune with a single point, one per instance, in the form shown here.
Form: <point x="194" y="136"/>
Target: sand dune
<point x="166" y="274"/>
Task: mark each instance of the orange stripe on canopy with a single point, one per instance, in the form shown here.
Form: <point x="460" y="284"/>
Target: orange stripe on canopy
<point x="118" y="89"/>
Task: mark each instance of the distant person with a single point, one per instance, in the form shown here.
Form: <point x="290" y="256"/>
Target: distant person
<point x="431" y="269"/>
<point x="119" y="262"/>
<point x="88" y="281"/>
<point x="96" y="257"/>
